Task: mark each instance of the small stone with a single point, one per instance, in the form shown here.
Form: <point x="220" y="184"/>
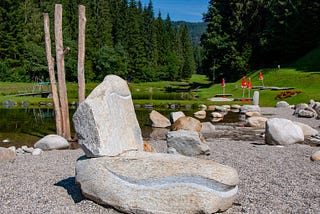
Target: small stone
<point x="36" y="152"/>
<point x="315" y="156"/>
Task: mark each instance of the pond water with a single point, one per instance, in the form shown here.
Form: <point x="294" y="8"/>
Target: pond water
<point x="24" y="126"/>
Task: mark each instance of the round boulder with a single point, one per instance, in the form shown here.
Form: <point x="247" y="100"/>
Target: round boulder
<point x="187" y="123"/>
<point x="51" y="142"/>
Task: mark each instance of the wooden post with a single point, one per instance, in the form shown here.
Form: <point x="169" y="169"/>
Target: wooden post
<point x="81" y="53"/>
<point x="50" y="60"/>
<point x="60" y="54"/>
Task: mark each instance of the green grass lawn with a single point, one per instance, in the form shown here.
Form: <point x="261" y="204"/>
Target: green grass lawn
<point x="202" y="89"/>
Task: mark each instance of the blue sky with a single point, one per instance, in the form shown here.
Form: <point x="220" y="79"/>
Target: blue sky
<point x="180" y="10"/>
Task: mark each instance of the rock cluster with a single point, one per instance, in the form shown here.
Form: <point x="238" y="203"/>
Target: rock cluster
<point x="118" y="173"/>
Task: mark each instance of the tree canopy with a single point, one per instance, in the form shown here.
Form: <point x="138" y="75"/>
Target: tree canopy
<point x="122" y="37"/>
<point x="250" y="34"/>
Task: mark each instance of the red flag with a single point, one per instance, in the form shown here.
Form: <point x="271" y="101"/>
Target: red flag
<point x="249" y="83"/>
<point x="260" y="76"/>
<point x="244" y="82"/>
<point x="223" y="83"/>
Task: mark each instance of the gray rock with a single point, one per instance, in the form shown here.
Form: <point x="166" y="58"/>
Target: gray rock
<point x="174" y="116"/>
<point x="306" y="113"/>
<point x="207" y="127"/>
<point x="282" y="104"/>
<point x="105" y="122"/>
<point x="51" y="142"/>
<point x="7" y="155"/>
<point x="158" y="133"/>
<point x="282" y="132"/>
<point x="142" y="182"/>
<point x="187" y="142"/>
<point x="158" y="120"/>
<point x="247" y="108"/>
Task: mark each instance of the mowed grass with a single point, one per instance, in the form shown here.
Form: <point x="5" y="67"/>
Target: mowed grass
<point x="156" y="93"/>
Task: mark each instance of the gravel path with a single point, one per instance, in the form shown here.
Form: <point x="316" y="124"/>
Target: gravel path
<point x="272" y="179"/>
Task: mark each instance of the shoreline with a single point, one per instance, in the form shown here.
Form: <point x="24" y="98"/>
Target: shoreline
<point x="273" y="179"/>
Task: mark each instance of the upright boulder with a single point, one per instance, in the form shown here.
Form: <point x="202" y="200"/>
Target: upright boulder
<point x="106" y="123"/>
<point x="282" y="132"/>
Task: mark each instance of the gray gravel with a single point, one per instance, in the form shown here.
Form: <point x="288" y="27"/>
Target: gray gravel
<point x="272" y="179"/>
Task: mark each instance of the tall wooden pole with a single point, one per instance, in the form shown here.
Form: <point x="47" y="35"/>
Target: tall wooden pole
<point x="81" y="53"/>
<point x="50" y="60"/>
<point x="60" y="54"/>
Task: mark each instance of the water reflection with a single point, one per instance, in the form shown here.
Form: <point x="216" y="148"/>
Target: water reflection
<point x="24" y="126"/>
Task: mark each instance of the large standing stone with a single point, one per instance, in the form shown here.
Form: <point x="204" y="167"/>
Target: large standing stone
<point x="187" y="143"/>
<point x="51" y="141"/>
<point x="158" y="120"/>
<point x="282" y="132"/>
<point x="255" y="98"/>
<point x="105" y="122"/>
<point x="143" y="182"/>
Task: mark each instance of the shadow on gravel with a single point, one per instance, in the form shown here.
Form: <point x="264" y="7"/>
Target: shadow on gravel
<point x="73" y="189"/>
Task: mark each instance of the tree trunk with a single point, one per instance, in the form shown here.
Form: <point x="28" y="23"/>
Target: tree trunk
<point x="50" y="60"/>
<point x="81" y="53"/>
<point x="60" y="54"/>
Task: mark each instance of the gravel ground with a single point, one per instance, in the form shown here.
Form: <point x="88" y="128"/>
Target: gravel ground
<point x="272" y="179"/>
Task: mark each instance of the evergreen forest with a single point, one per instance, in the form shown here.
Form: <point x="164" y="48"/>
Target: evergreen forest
<point x="123" y="37"/>
<point x="252" y="34"/>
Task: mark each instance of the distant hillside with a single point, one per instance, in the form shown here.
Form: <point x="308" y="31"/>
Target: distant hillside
<point x="195" y="30"/>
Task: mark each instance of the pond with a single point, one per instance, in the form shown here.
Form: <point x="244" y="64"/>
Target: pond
<point x="24" y="126"/>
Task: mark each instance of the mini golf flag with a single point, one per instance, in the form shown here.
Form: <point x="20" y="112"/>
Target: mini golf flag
<point x="260" y="76"/>
<point x="249" y="83"/>
<point x="244" y="82"/>
<point x="223" y="83"/>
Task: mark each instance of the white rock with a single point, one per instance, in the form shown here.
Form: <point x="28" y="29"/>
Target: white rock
<point x="174" y="116"/>
<point x="282" y="104"/>
<point x="37" y="151"/>
<point x="282" y="132"/>
<point x="207" y="127"/>
<point x="51" y="142"/>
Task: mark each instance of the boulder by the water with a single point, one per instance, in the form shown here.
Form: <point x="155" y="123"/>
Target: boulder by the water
<point x="282" y="132"/>
<point x="51" y="142"/>
<point x="174" y="116"/>
<point x="187" y="143"/>
<point x="105" y="122"/>
<point x="144" y="182"/>
<point x="187" y="123"/>
<point x="158" y="120"/>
